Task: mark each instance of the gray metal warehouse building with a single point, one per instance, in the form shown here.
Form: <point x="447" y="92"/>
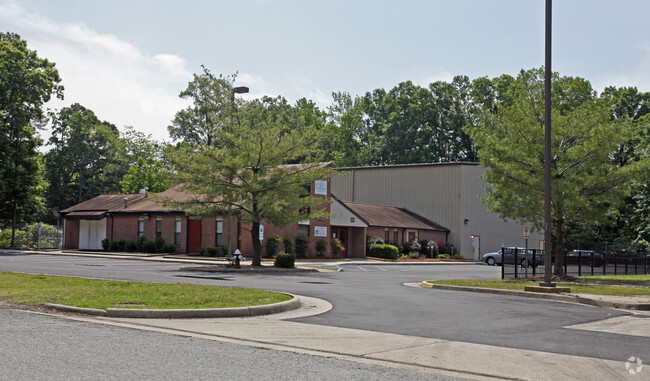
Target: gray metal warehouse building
<point x="447" y="193"/>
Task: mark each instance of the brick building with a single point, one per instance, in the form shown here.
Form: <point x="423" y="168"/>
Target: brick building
<point x="128" y="216"/>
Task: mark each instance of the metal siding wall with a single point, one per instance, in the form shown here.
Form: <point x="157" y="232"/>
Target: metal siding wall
<point x="432" y="191"/>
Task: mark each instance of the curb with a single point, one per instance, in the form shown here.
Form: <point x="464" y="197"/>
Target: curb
<point x="266" y="309"/>
<point x="555" y="297"/>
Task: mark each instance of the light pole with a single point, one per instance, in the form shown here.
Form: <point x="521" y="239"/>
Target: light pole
<point x="548" y="255"/>
<point x="234" y="90"/>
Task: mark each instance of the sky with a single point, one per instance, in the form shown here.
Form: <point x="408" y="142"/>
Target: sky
<point x="127" y="60"/>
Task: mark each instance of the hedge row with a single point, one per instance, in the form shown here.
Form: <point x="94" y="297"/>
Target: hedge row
<point x="142" y="244"/>
<point x="384" y="251"/>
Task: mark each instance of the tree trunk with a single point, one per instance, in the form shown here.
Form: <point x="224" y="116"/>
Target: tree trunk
<point x="559" y="248"/>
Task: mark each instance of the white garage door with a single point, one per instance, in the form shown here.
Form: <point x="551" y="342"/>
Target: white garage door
<point x="91" y="234"/>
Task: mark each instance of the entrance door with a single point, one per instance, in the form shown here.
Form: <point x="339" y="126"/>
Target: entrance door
<point x="342" y="235"/>
<point x="193" y="236"/>
<point x="412" y="236"/>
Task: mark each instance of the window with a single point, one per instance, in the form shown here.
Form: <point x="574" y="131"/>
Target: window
<point x="386" y="235"/>
<point x="396" y="236"/>
<point x="303" y="230"/>
<point x="219" y="235"/>
<point x="177" y="231"/>
<point x="140" y="226"/>
<point x="158" y="227"/>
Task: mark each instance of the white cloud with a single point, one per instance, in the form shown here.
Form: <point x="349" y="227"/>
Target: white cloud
<point x="116" y="80"/>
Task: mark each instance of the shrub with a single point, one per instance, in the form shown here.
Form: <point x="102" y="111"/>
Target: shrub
<point x="224" y="251"/>
<point x="288" y="245"/>
<point x="106" y="244"/>
<point x="384" y="251"/>
<point x="272" y="244"/>
<point x="370" y="240"/>
<point x="149" y="247"/>
<point x="458" y="256"/>
<point x="412" y="246"/>
<point x="204" y="252"/>
<point x="120" y="245"/>
<point x="140" y="243"/>
<point x="443" y="256"/>
<point x="321" y="247"/>
<point x="302" y="245"/>
<point x="131" y="246"/>
<point x="160" y="244"/>
<point x="213" y="251"/>
<point x="169" y="248"/>
<point x="336" y="246"/>
<point x="284" y="260"/>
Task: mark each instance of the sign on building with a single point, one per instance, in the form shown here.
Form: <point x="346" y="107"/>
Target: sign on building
<point x="320" y="231"/>
<point x="320" y="187"/>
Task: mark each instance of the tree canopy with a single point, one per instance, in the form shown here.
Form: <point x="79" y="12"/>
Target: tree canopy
<point x="243" y="167"/>
<point x="26" y="83"/>
<point x="586" y="181"/>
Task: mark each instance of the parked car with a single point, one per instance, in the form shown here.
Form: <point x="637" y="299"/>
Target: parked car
<point x="509" y="253"/>
<point x="584" y="257"/>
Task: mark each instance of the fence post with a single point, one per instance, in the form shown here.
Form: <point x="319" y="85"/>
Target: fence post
<point x="592" y="263"/>
<point x="516" y="262"/>
<point x="503" y="264"/>
<point x="579" y="263"/>
<point x="534" y="261"/>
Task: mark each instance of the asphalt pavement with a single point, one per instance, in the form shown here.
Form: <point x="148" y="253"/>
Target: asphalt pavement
<point x="375" y="319"/>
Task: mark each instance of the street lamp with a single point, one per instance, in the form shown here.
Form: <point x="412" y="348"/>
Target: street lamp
<point x="234" y="90"/>
<point x="548" y="271"/>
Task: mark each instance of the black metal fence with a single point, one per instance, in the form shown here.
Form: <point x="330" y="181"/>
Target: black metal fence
<point x="517" y="263"/>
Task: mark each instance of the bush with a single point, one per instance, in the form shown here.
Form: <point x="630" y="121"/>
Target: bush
<point x="169" y="248"/>
<point x="321" y="248"/>
<point x="149" y="247"/>
<point x="106" y="244"/>
<point x="272" y="244"/>
<point x="204" y="252"/>
<point x="284" y="260"/>
<point x="370" y="240"/>
<point x="288" y="245"/>
<point x="336" y="246"/>
<point x="120" y="245"/>
<point x="443" y="256"/>
<point x="213" y="251"/>
<point x="458" y="256"/>
<point x="384" y="251"/>
<point x="131" y="246"/>
<point x="302" y="245"/>
<point x="140" y="243"/>
<point x="412" y="246"/>
<point x="224" y="251"/>
<point x="160" y="244"/>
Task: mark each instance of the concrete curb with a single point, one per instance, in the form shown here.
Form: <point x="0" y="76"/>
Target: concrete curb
<point x="267" y="309"/>
<point x="536" y="295"/>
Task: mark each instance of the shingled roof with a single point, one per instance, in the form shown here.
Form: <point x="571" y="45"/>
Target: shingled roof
<point x="391" y="216"/>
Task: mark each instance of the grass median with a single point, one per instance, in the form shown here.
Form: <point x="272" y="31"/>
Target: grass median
<point x="628" y="285"/>
<point x="31" y="289"/>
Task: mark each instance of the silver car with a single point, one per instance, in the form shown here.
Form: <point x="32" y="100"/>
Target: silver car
<point x="524" y="260"/>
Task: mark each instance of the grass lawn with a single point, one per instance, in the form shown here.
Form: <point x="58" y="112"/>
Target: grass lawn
<point x="621" y="289"/>
<point x="33" y="289"/>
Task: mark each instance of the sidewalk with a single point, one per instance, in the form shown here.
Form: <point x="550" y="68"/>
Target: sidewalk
<point x="473" y="361"/>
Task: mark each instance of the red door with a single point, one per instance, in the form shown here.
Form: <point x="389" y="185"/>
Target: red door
<point x="411" y="236"/>
<point x="193" y="236"/>
<point x="342" y="235"/>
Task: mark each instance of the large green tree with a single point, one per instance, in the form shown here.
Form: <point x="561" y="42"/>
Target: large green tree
<point x="26" y="83"/>
<point x="84" y="160"/>
<point x="586" y="182"/>
<point x="143" y="156"/>
<point x="241" y="168"/>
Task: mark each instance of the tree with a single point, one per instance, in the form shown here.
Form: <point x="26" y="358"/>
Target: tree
<point x="83" y="162"/>
<point x="145" y="173"/>
<point x="210" y="111"/>
<point x="240" y="169"/>
<point x="26" y="83"/>
<point x="586" y="182"/>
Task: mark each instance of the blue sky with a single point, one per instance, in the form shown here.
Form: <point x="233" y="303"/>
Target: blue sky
<point x="128" y="60"/>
